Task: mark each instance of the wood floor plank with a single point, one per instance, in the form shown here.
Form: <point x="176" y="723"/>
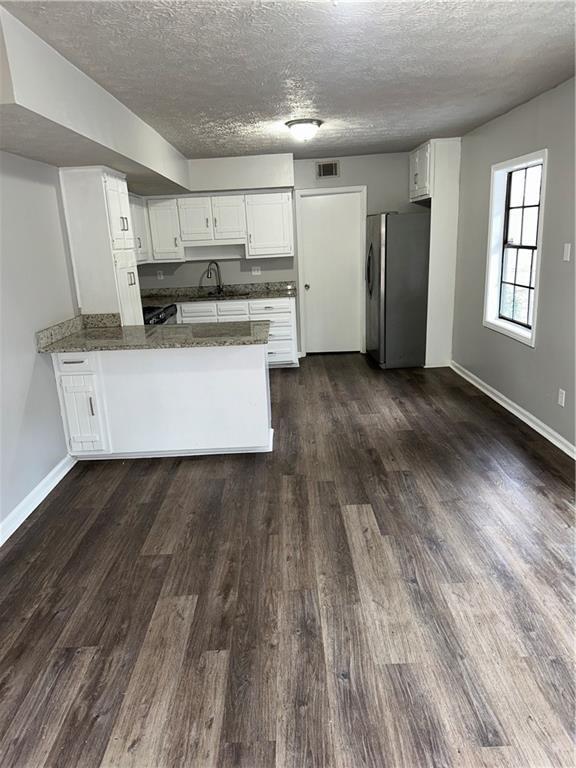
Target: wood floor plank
<point x="387" y="605"/>
<point x="44" y="709"/>
<point x="296" y="542"/>
<point x="391" y="587"/>
<point x="194" y="722"/>
<point x="137" y="738"/>
<point x="356" y="735"/>
<point x="301" y="738"/>
<point x="258" y="755"/>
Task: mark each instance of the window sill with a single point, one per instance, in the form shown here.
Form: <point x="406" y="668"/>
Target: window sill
<point x="523" y="335"/>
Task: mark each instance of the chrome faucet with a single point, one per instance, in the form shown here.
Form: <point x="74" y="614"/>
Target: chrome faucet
<point x="219" y="284"/>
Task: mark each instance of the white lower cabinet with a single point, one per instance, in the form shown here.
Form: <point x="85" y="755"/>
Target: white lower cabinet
<point x="283" y="342"/>
<point x="165" y="402"/>
<point x="82" y="411"/>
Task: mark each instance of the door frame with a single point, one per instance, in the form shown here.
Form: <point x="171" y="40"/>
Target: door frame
<point x="321" y="191"/>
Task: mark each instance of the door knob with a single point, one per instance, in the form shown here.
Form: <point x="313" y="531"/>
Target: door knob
<point x="307" y="286"/>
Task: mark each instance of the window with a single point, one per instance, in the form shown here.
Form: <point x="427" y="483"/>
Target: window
<point x="516" y="210"/>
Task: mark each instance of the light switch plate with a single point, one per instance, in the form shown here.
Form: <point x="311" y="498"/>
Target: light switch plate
<point x="562" y="397"/>
<point x="159" y="275"/>
<point x="567" y="249"/>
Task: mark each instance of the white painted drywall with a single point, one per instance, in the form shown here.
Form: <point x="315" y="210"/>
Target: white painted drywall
<point x="443" y="250"/>
<point x="385" y="176"/>
<point x="249" y="172"/>
<point x="36" y="291"/>
<point x="45" y="83"/>
<point x="529" y="377"/>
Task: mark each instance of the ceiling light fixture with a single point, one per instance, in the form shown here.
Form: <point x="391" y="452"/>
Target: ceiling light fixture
<point x="304" y="129"/>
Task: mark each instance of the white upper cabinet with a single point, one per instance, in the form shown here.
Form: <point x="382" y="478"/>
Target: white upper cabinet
<point x="421" y="172"/>
<point x="263" y="222"/>
<point x="229" y="213"/>
<point x="195" y="218"/>
<point x="269" y="223"/>
<point x="165" y="230"/>
<point x="139" y="214"/>
<point x="118" y="212"/>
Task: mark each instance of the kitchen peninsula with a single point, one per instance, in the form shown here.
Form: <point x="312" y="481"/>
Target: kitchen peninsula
<point x="168" y="390"/>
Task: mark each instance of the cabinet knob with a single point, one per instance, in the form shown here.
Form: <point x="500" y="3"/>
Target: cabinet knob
<point x="307" y="286"/>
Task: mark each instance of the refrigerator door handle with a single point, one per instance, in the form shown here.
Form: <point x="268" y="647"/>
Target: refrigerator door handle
<point x="369" y="275"/>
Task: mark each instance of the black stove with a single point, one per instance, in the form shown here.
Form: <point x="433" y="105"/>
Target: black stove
<point x="158" y="315"/>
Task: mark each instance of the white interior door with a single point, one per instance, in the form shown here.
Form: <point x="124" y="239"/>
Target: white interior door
<point x="331" y="237"/>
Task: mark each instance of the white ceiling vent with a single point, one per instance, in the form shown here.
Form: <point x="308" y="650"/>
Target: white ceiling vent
<point x="328" y="168"/>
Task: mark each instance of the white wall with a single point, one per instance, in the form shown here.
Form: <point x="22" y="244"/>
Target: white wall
<point x="529" y="377"/>
<point x="249" y="172"/>
<point x="385" y="176"/>
<point x="443" y="252"/>
<point x="36" y="291"/>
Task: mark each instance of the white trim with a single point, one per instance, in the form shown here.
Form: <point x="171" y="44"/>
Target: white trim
<point x="498" y="177"/>
<point x="524" y="415"/>
<point x="316" y="192"/>
<point x="34" y="498"/>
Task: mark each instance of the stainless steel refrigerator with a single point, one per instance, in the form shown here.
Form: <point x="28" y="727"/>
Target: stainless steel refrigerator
<point x="397" y="252"/>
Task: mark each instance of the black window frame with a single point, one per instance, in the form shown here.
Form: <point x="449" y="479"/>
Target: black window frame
<point x="519" y="247"/>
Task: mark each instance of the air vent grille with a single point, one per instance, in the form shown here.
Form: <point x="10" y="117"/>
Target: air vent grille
<point x="328" y="168"/>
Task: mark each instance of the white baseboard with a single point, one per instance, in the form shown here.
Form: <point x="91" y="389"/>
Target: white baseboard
<point x="34" y="498"/>
<point x="525" y="416"/>
<point x="268" y="448"/>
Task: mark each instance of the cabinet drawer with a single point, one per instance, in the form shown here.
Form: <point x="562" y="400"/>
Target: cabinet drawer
<point x="280" y="332"/>
<point x="232" y="308"/>
<point x="268" y="306"/>
<point x="233" y="318"/>
<point x="198" y="309"/>
<point x="75" y="362"/>
<point x="279" y="351"/>
<point x="198" y="320"/>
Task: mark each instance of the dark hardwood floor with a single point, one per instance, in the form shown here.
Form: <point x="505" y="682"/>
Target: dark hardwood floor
<point x="392" y="587"/>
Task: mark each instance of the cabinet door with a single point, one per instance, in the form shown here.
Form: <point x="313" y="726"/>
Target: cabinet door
<point x="195" y="218"/>
<point x="116" y="218"/>
<point x="424" y="170"/>
<point x="413" y="186"/>
<point x="129" y="300"/>
<point x="126" y="215"/>
<point x="139" y="218"/>
<point x="229" y="217"/>
<point x="165" y="230"/>
<point x="82" y="413"/>
<point x="269" y="222"/>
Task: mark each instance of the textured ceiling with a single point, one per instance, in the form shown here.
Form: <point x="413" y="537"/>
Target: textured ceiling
<point x="220" y="77"/>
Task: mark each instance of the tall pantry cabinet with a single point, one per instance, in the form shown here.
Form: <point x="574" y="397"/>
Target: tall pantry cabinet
<point x="99" y="224"/>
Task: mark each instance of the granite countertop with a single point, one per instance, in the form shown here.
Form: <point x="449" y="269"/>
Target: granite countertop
<point x="162" y="296"/>
<point x="96" y="339"/>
